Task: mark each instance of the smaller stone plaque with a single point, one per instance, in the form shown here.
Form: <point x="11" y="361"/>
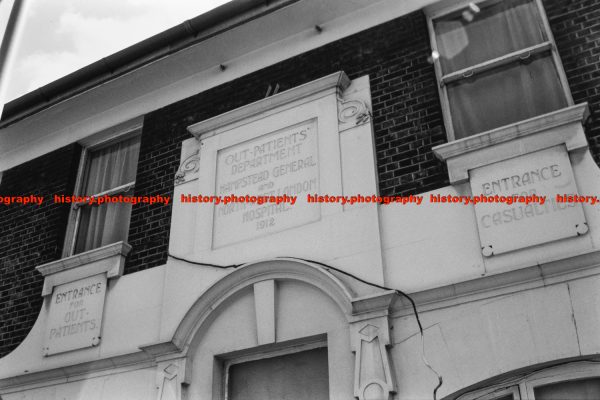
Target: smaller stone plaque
<point x="505" y="226"/>
<point x="75" y="315"/>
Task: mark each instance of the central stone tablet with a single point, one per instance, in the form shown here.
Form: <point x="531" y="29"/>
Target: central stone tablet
<point x="312" y="139"/>
<point x="268" y="167"/>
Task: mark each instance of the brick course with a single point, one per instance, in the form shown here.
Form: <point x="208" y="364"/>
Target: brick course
<point x="575" y="25"/>
<point x="31" y="235"/>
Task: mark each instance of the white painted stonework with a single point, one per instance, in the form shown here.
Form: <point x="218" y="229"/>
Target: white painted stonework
<point x="328" y="121"/>
<point x="168" y="332"/>
<point x="504" y="227"/>
<point x="75" y="315"/>
<point x="350" y="315"/>
<point x="109" y="259"/>
<point x="561" y="127"/>
<point x="280" y="163"/>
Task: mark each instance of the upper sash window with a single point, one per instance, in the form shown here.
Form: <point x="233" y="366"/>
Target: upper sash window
<point x="496" y="63"/>
<point x="106" y="170"/>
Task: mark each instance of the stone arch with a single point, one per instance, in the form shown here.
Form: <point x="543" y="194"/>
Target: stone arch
<point x="249" y="274"/>
<point x="275" y="307"/>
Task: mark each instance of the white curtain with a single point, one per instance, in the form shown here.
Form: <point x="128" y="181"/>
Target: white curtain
<point x="506" y="94"/>
<point x="499" y="29"/>
<point x="111" y="166"/>
<point x="106" y="169"/>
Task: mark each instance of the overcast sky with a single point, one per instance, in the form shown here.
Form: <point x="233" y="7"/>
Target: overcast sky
<point x="61" y="36"/>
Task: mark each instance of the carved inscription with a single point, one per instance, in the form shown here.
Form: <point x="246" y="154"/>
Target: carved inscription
<point x="509" y="226"/>
<point x="75" y="315"/>
<point x="280" y="163"/>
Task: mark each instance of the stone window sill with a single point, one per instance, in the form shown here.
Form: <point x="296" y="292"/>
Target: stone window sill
<point x="109" y="259"/>
<point x="563" y="126"/>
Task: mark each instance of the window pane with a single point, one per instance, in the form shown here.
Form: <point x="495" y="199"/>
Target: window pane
<point x="505" y="95"/>
<point x="585" y="389"/>
<point x="299" y="376"/>
<point x="111" y="166"/>
<point x="102" y="225"/>
<point x="498" y="29"/>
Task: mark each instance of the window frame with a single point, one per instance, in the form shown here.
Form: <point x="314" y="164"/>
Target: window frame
<point x="440" y="10"/>
<point x="522" y="386"/>
<point x="493" y="392"/>
<point x="550" y="376"/>
<point x="97" y="142"/>
<point x="305" y="344"/>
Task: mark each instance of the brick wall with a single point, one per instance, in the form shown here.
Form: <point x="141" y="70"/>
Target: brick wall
<point x="406" y="115"/>
<point x="575" y="25"/>
<point x="407" y="121"/>
<point x="30" y="236"/>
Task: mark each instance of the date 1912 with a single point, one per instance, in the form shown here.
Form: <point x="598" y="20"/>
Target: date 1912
<point x="265" y="223"/>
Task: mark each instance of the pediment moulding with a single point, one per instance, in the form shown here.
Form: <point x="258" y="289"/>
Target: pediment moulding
<point x="108" y="259"/>
<point x="337" y="82"/>
<point x="561" y="127"/>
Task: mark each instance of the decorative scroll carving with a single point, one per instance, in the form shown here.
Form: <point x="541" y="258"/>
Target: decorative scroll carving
<point x="372" y="372"/>
<point x="352" y="112"/>
<point x="188" y="169"/>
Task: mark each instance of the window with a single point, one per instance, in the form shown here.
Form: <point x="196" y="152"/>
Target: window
<point x="496" y="63"/>
<point x="573" y="381"/>
<point x="504" y="393"/>
<point x="106" y="169"/>
<point x="582" y="389"/>
<point x="298" y="376"/>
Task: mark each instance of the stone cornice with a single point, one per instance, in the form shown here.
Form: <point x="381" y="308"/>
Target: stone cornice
<point x="526" y="278"/>
<point x="374" y="303"/>
<point x="104" y="366"/>
<point x="67" y="263"/>
<point x="561" y="127"/>
<point x="576" y="113"/>
<point x="109" y="259"/>
<point x="338" y="81"/>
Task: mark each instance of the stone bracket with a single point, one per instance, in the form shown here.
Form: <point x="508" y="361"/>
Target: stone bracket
<point x="370" y="340"/>
<point x="372" y="371"/>
<point x="170" y="380"/>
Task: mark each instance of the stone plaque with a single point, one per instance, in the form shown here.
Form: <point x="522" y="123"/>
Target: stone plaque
<point x="75" y="315"/>
<point x="284" y="162"/>
<point x="505" y="227"/>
